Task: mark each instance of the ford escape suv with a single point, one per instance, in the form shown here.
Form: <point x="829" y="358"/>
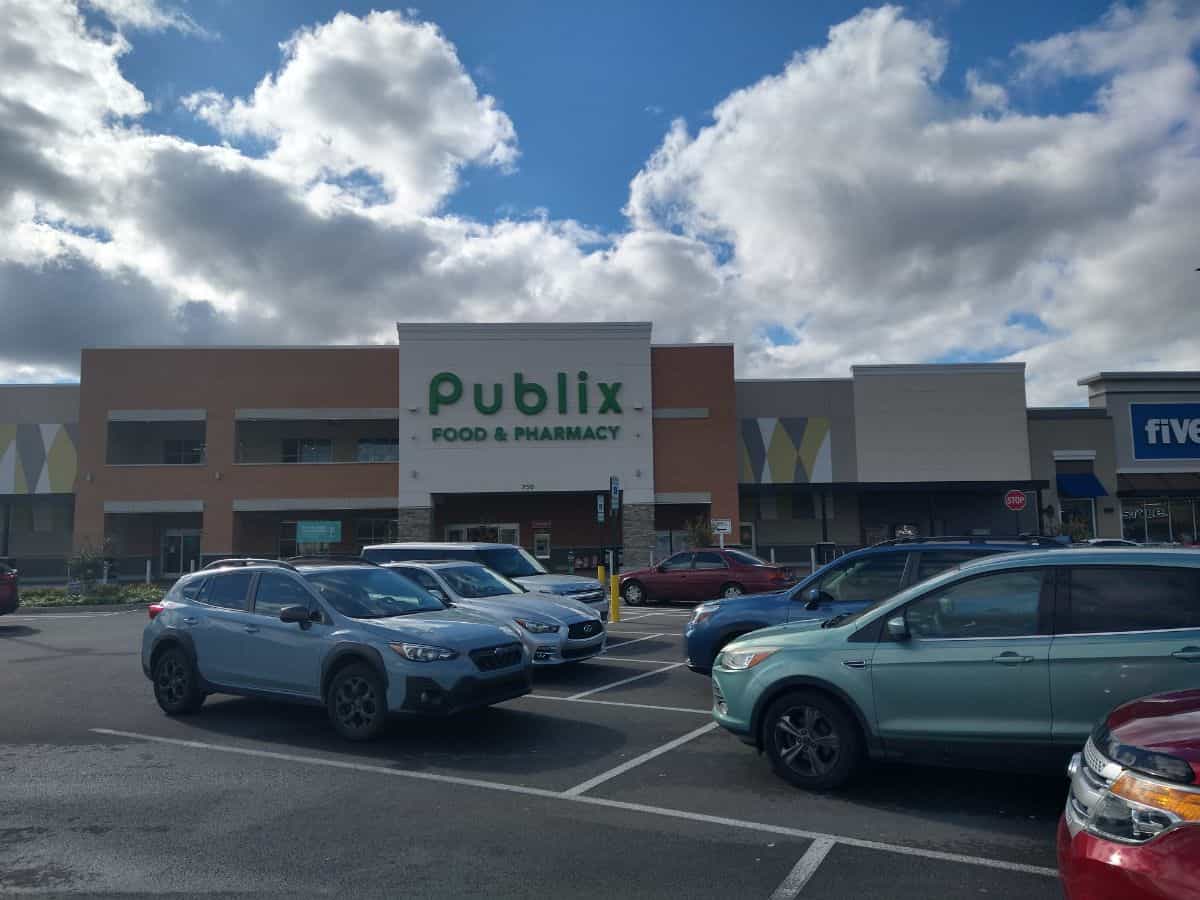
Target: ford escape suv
<point x="1010" y="660"/>
<point x="354" y="637"/>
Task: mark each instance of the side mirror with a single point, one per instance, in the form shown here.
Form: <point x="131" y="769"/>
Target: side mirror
<point x="897" y="628"/>
<point x="297" y="615"/>
<point x="816" y="598"/>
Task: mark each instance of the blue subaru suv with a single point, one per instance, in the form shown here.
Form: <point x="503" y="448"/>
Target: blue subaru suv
<point x="848" y="584"/>
<point x="351" y="636"/>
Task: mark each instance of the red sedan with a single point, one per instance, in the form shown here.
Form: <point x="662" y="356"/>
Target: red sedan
<point x="1131" y="829"/>
<point x="10" y="597"/>
<point x="697" y="575"/>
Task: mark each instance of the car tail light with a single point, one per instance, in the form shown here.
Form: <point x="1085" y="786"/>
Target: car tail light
<point x="154" y="609"/>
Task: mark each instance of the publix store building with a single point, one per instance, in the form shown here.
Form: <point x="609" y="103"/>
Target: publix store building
<point x="172" y="456"/>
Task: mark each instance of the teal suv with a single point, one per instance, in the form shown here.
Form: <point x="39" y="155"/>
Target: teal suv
<point x="1008" y="661"/>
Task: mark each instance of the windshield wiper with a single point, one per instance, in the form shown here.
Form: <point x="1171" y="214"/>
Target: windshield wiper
<point x="836" y="620"/>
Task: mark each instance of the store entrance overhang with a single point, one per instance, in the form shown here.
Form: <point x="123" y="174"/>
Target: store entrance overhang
<point x="912" y="487"/>
<point x="1174" y="484"/>
<point x="1080" y="486"/>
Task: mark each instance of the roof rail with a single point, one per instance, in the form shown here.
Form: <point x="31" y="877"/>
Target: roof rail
<point x="331" y="558"/>
<point x="244" y="561"/>
<point x="1032" y="539"/>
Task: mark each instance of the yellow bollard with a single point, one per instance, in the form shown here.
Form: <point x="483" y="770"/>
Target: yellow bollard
<point x="600" y="570"/>
<point x="614" y="600"/>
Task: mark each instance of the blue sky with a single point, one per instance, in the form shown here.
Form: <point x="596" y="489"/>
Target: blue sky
<point x="591" y="88"/>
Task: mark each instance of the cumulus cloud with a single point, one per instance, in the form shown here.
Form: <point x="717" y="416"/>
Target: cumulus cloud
<point x="850" y="208"/>
<point x="382" y="95"/>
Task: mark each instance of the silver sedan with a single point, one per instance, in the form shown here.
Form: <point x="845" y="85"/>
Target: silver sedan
<point x="555" y="629"/>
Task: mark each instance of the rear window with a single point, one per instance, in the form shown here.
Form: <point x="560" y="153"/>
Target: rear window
<point x="745" y="558"/>
<point x="934" y="562"/>
<point x="1106" y="599"/>
<point x="186" y="591"/>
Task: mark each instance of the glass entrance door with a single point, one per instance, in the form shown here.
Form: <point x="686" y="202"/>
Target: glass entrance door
<point x="180" y="551"/>
<point x="508" y="533"/>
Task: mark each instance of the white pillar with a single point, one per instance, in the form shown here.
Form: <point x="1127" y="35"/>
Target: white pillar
<point x="147" y="571"/>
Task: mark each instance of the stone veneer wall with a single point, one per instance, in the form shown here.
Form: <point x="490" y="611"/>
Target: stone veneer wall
<point x="415" y="523"/>
<point x="638" y="526"/>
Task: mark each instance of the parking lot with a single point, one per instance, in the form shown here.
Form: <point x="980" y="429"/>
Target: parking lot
<point x="609" y="780"/>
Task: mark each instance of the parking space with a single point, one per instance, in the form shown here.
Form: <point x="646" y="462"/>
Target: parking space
<point x="612" y="765"/>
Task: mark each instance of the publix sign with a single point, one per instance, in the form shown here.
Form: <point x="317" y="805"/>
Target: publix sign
<point x="565" y="395"/>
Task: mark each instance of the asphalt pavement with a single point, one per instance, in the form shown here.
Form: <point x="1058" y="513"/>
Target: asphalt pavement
<point x="609" y="780"/>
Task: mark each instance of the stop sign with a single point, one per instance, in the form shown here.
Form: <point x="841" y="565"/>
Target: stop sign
<point x="1015" y="500"/>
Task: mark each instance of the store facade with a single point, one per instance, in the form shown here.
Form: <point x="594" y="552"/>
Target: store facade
<point x="168" y="457"/>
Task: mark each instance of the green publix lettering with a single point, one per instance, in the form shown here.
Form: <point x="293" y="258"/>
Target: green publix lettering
<point x="530" y="398"/>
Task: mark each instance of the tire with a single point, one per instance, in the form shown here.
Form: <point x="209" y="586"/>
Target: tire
<point x="176" y="684"/>
<point x="732" y="589"/>
<point x="633" y="593"/>
<point x="812" y="741"/>
<point x="357" y="702"/>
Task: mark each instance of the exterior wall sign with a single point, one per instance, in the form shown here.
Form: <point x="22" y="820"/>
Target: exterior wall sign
<point x="319" y="531"/>
<point x="786" y="451"/>
<point x="1165" y="430"/>
<point x="38" y="459"/>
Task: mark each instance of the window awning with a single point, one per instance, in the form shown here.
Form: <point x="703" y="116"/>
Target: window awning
<point x="1181" y="484"/>
<point x="1080" y="485"/>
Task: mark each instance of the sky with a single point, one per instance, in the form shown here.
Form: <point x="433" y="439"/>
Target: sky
<point x="821" y="183"/>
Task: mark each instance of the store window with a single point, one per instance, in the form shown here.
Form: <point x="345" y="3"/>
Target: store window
<point x="376" y="530"/>
<point x="379" y="450"/>
<point x="289" y="546"/>
<point x="307" y="450"/>
<point x="1078" y="517"/>
<point x="1160" y="520"/>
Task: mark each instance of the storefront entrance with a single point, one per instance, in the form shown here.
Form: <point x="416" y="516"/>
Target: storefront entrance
<point x="180" y="551"/>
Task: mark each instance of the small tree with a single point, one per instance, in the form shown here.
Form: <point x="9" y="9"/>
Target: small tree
<point x="87" y="564"/>
<point x="699" y="532"/>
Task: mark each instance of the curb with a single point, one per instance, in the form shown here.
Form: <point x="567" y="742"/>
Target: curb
<point x="89" y="607"/>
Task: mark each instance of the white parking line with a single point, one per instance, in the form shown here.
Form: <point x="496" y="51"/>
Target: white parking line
<point x="633" y="641"/>
<point x="50" y="616"/>
<point x="606" y="687"/>
<point x="584" y="786"/>
<point x="638" y="659"/>
<point x="666" y="812"/>
<point x="620" y="630"/>
<point x="804" y="869"/>
<point x="682" y="709"/>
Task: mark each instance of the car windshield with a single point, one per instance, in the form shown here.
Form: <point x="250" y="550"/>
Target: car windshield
<point x="511" y="562"/>
<point x="476" y="582"/>
<point x="371" y="593"/>
<point x="746" y="559"/>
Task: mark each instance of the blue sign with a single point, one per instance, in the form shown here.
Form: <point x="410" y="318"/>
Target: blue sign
<point x="1165" y="430"/>
<point x="319" y="531"/>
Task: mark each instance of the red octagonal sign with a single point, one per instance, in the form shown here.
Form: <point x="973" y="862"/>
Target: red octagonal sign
<point x="1015" y="500"/>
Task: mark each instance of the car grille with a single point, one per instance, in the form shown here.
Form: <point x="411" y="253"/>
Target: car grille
<point x="489" y="659"/>
<point x="582" y="631"/>
<point x="577" y="652"/>
<point x="1088" y="784"/>
<point x="589" y="595"/>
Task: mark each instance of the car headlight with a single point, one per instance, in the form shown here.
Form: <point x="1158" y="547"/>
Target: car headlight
<point x="423" y="652"/>
<point x="1136" y="809"/>
<point x="534" y="627"/>
<point x="703" y="612"/>
<point x="744" y="659"/>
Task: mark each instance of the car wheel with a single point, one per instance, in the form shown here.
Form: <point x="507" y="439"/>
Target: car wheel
<point x="357" y="703"/>
<point x="176" y="686"/>
<point x="732" y="590"/>
<point x="812" y="741"/>
<point x="634" y="593"/>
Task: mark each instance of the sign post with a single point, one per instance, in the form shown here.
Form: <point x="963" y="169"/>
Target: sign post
<point x="1016" y="500"/>
<point x="722" y="527"/>
<point x="614" y="586"/>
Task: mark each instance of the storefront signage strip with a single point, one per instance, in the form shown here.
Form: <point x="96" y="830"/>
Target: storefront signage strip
<point x="475" y="434"/>
<point x="529" y="397"/>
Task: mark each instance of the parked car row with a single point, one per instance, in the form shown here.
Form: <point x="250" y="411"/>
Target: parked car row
<point x="363" y="640"/>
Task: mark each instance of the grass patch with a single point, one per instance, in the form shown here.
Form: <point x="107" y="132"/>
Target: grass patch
<point x="98" y="595"/>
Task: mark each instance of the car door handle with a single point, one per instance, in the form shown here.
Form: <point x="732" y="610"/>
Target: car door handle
<point x="190" y="620"/>
<point x="1008" y="658"/>
<point x="1188" y="653"/>
<point x="251" y="629"/>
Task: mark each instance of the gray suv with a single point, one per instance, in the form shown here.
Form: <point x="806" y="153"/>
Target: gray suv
<point x="354" y="637"/>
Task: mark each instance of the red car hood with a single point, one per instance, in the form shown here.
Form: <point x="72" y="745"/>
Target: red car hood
<point x="1165" y="723"/>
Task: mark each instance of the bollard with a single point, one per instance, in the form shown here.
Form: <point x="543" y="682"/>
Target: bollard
<point x="614" y="599"/>
<point x="600" y="576"/>
<point x="772" y="556"/>
<point x="147" y="571"/>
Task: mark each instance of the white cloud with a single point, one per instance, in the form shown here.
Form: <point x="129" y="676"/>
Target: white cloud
<point x="851" y="199"/>
<point x="147" y="15"/>
<point x="383" y="95"/>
